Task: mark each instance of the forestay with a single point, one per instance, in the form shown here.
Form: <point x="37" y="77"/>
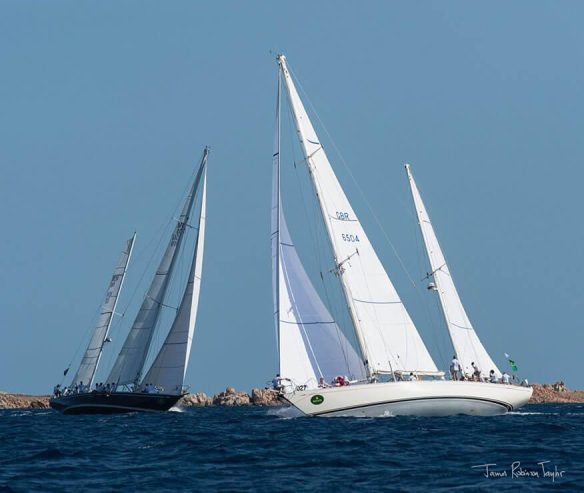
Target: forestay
<point x="386" y="334"/>
<point x="127" y="368"/>
<point x="310" y="344"/>
<point x="90" y="361"/>
<point x="467" y="346"/>
<point x="170" y="365"/>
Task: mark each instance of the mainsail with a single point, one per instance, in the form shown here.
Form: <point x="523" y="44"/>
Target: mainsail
<point x="90" y="361"/>
<point x="127" y="368"/>
<point x="387" y="336"/>
<point x="310" y="344"/>
<point x="467" y="346"/>
<point x="170" y="365"/>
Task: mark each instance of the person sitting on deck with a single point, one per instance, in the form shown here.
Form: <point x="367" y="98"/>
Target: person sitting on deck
<point x="413" y="377"/>
<point x="492" y="377"/>
<point x="476" y="374"/>
<point x="505" y="378"/>
<point x="340" y="381"/>
<point x="322" y="384"/>
<point x="57" y="390"/>
<point x="455" y="369"/>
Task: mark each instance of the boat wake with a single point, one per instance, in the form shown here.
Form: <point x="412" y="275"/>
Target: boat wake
<point x="285" y="412"/>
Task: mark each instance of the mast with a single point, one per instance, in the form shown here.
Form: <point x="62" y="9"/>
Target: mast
<point x="128" y="366"/>
<point x="386" y="334"/>
<point x="276" y="202"/>
<point x="169" y="368"/>
<point x="90" y="361"/>
<point x="466" y="343"/>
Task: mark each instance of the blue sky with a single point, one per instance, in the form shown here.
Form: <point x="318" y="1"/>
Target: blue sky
<point x="106" y="107"/>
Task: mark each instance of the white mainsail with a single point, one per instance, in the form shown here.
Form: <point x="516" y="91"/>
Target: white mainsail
<point x="388" y="339"/>
<point x="467" y="346"/>
<point x="90" y="360"/>
<point x="310" y="343"/>
<point x="127" y="368"/>
<point x="170" y="365"/>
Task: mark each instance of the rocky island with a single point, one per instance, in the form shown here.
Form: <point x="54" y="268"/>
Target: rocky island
<point x="542" y="394"/>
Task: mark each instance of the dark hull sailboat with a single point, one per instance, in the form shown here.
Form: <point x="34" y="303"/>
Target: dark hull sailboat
<point x="167" y="370"/>
<point x="115" y="402"/>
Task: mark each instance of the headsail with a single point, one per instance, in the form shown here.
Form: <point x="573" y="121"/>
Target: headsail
<point x="127" y="368"/>
<point x="387" y="336"/>
<point x="465" y="340"/>
<point x="90" y="361"/>
<point x="310" y="344"/>
<point x="170" y="365"/>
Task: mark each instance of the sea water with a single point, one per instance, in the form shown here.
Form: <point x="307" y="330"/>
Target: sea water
<point x="538" y="448"/>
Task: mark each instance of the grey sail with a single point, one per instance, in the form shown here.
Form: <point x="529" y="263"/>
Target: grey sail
<point x="86" y="372"/>
<point x="170" y="365"/>
<point x="128" y="366"/>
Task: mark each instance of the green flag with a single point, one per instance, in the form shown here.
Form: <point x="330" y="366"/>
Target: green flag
<point x="511" y="362"/>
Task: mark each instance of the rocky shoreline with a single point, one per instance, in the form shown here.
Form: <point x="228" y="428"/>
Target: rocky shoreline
<point x="556" y="393"/>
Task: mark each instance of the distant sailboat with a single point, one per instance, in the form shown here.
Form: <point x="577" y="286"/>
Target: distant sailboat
<point x="127" y="388"/>
<point x="390" y="347"/>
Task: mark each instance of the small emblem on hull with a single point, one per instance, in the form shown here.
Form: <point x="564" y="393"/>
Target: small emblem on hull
<point x="317" y="399"/>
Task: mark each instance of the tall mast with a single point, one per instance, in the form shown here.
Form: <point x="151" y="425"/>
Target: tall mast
<point x="466" y="343"/>
<point x="90" y="361"/>
<point x="276" y="220"/>
<point x="386" y="334"/>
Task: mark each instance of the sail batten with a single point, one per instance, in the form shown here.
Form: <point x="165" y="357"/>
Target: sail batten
<point x="90" y="361"/>
<point x="168" y="369"/>
<point x="129" y="364"/>
<point x="388" y="339"/>
<point x="467" y="345"/>
<point x="310" y="343"/>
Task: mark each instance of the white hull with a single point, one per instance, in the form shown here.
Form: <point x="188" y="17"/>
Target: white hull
<point x="421" y="398"/>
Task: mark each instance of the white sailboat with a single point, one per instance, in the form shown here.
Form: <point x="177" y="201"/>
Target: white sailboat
<point x="127" y="388"/>
<point x="389" y="344"/>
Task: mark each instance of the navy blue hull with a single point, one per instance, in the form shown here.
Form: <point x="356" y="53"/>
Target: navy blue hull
<point x="117" y="402"/>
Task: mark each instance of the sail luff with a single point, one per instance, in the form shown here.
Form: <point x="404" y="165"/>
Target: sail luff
<point x="466" y="343"/>
<point x="90" y="361"/>
<point x="169" y="368"/>
<point x="129" y="364"/>
<point x="388" y="339"/>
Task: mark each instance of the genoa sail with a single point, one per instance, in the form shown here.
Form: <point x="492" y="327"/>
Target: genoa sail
<point x="388" y="339"/>
<point x="170" y="365"/>
<point x="467" y="345"/>
<point x="128" y="366"/>
<point x="310" y="343"/>
<point x="90" y="361"/>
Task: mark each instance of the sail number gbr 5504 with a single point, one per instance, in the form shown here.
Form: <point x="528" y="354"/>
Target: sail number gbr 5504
<point x="344" y="216"/>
